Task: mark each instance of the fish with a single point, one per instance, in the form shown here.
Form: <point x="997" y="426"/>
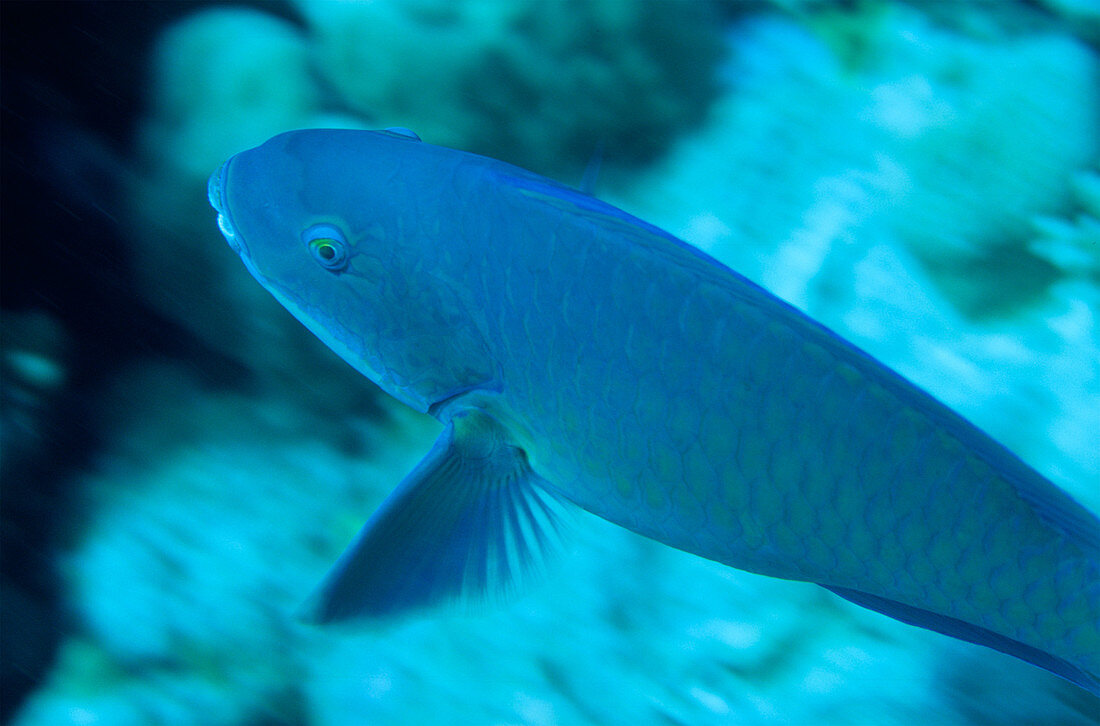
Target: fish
<point x="578" y="356"/>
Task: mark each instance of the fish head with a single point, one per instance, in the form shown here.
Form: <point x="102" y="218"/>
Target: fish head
<point x="347" y="230"/>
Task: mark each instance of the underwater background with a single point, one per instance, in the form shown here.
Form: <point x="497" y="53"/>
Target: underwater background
<point x="182" y="461"/>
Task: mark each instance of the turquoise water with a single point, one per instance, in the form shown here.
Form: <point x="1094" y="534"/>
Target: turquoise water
<point x="924" y="180"/>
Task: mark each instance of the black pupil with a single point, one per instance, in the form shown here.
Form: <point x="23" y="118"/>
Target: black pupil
<point x="326" y="251"/>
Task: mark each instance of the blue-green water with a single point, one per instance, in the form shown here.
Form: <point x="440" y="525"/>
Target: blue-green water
<point x="182" y="462"/>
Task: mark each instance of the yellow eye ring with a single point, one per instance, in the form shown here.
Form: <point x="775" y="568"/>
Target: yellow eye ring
<point x="327" y="247"/>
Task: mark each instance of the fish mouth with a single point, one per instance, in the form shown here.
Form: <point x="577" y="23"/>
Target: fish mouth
<point x="215" y="192"/>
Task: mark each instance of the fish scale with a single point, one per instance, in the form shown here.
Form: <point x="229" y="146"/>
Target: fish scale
<point x="577" y="354"/>
<point x="912" y="488"/>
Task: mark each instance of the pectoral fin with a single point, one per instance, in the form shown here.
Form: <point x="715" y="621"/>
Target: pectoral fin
<point x="471" y="519"/>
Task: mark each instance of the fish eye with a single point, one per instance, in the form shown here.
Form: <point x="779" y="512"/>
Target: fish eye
<point x="328" y="246"/>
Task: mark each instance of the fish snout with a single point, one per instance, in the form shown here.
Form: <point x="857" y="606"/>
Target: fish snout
<point x="215" y="192"/>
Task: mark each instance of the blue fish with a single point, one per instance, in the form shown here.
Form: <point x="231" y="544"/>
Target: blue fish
<point x="576" y="354"/>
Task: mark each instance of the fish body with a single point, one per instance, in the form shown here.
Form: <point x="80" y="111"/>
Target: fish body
<point x="578" y="354"/>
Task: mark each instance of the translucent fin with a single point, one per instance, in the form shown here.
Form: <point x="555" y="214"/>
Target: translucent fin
<point x="592" y="171"/>
<point x="972" y="634"/>
<point x="471" y="520"/>
<point x="402" y="132"/>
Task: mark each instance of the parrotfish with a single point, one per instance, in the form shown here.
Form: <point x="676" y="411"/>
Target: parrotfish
<point x="578" y="356"/>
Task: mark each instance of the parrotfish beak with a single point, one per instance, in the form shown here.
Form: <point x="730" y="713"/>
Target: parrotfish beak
<point x="215" y="192"/>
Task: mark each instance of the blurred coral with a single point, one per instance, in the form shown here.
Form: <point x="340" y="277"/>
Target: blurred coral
<point x="928" y="189"/>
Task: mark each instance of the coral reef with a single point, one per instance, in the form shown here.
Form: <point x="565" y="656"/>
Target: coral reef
<point x="927" y="188"/>
<point x="187" y="571"/>
<point x="542" y="85"/>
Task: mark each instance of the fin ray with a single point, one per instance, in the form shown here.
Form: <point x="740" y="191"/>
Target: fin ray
<point x="472" y="520"/>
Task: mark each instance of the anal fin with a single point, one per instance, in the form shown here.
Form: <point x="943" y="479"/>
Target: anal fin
<point x="971" y="633"/>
